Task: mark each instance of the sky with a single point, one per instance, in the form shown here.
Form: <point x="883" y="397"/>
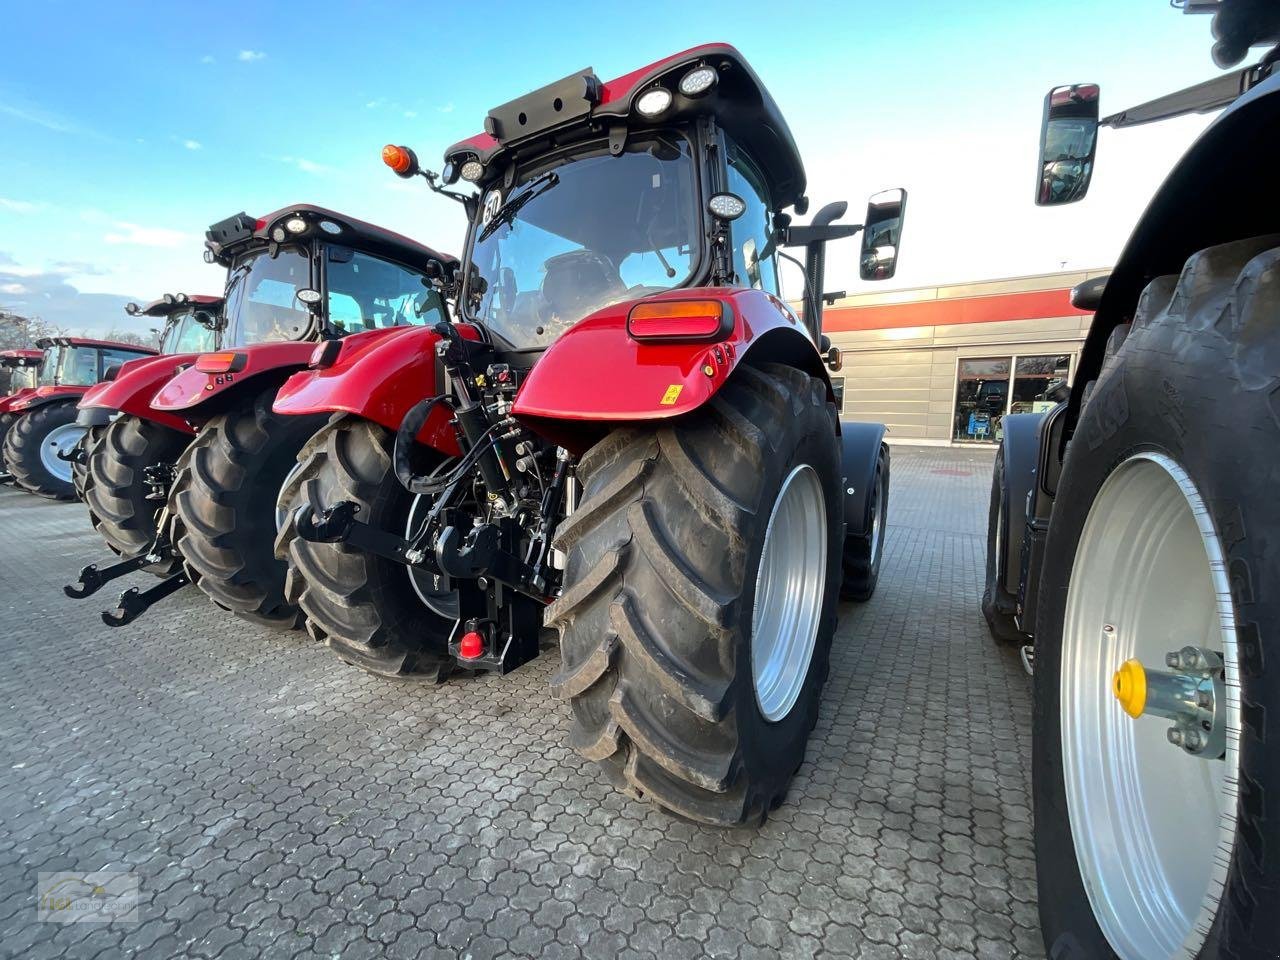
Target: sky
<point x="127" y="128"/>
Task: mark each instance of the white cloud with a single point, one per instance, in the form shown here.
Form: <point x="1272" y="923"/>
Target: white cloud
<point x="207" y="59"/>
<point x="375" y="104"/>
<point x="307" y="166"/>
<point x="136" y="235"/>
<point x="410" y="114"/>
<point x="19" y="206"/>
<point x="446" y="108"/>
<point x="193" y="144"/>
<point x="13" y="288"/>
<point x="248" y="56"/>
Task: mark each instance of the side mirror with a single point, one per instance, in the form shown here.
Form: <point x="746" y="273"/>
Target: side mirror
<point x="111" y="372"/>
<point x="1068" y="144"/>
<point x="206" y="319"/>
<point x="881" y="234"/>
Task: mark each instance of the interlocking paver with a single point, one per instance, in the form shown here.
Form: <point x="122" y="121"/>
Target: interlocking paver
<point x="277" y="803"/>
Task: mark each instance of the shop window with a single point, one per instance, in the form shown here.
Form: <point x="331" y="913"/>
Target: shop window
<point x="982" y="394"/>
<point x="1039" y="383"/>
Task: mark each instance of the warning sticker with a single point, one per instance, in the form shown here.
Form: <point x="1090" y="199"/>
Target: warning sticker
<point x="672" y="394"/>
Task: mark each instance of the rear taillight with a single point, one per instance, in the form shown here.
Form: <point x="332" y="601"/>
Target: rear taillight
<point x="221" y="362"/>
<point x="697" y="321"/>
<point x="325" y="354"/>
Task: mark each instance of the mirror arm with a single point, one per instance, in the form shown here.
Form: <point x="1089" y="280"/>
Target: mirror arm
<point x="814" y="239"/>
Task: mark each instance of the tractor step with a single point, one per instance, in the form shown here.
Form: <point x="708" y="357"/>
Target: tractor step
<point x="133" y="603"/>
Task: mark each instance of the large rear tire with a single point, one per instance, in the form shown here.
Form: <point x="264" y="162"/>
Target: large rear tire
<point x="223" y="508"/>
<point x="115" y="488"/>
<point x="668" y="588"/>
<point x="6" y="421"/>
<point x="32" y="446"/>
<point x="860" y="566"/>
<point x="1164" y="534"/>
<point x="364" y="607"/>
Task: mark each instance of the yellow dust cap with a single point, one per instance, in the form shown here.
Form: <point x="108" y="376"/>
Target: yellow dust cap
<point x="1130" y="687"/>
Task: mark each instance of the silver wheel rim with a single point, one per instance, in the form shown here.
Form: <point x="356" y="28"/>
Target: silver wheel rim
<point x="436" y="592"/>
<point x="1153" y="827"/>
<point x="282" y="508"/>
<point x="60" y="440"/>
<point x="789" y="591"/>
<point x="876" y="511"/>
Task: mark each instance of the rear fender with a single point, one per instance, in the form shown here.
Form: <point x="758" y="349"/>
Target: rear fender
<point x="379" y="375"/>
<point x="860" y="448"/>
<point x="41" y="396"/>
<point x="6" y="403"/>
<point x="596" y="376"/>
<point x="1021" y="446"/>
<point x="195" y="395"/>
<point x="132" y="391"/>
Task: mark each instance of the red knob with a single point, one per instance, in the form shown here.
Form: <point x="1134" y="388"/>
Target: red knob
<point x="471" y="647"/>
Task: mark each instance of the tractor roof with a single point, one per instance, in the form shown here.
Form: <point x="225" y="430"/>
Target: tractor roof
<point x="172" y="303"/>
<point x="46" y="342"/>
<point x="20" y="358"/>
<point x="739" y="101"/>
<point x="230" y="237"/>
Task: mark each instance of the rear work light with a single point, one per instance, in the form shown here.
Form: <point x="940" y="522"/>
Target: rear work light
<point x="689" y="321"/>
<point x="221" y="362"/>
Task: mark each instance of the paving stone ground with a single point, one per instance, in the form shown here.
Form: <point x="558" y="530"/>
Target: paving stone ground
<point x="275" y="802"/>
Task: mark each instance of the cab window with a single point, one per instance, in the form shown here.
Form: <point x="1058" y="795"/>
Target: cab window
<point x="367" y="293"/>
<point x="753" y="255"/>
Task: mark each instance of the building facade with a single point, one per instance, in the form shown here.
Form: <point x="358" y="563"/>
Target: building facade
<point x="943" y="365"/>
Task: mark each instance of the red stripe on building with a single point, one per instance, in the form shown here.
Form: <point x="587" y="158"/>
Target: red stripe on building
<point x="1032" y="305"/>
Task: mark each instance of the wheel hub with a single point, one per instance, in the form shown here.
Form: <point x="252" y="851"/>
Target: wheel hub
<point x="60" y="440"/>
<point x="1193" y="697"/>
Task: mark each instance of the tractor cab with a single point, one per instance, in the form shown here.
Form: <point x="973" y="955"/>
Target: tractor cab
<point x="191" y="323"/>
<point x="592" y="194"/>
<point x="22" y="368"/>
<point x="305" y="273"/>
<point x="76" y="362"/>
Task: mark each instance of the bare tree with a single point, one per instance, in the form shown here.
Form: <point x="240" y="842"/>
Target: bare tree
<point x="21" y="333"/>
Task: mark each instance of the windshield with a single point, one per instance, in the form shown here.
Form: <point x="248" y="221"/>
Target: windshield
<point x="21" y="378"/>
<point x="78" y="367"/>
<point x="366" y="292"/>
<point x="262" y="297"/>
<point x="602" y="230"/>
<point x="185" y="335"/>
<point x="48" y="366"/>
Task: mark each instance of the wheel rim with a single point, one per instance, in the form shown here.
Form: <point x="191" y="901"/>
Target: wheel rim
<point x="789" y="592"/>
<point x="877" y="519"/>
<point x="282" y="510"/>
<point x="1153" y="826"/>
<point x="60" y="440"/>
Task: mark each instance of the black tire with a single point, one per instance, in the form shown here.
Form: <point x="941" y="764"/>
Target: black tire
<point x="860" y="566"/>
<point x="223" y="508"/>
<point x="22" y="451"/>
<point x="1196" y="381"/>
<point x="80" y="467"/>
<point x="362" y="606"/>
<point x="115" y="489"/>
<point x="998" y="604"/>
<point x="659" y="589"/>
<point x="6" y="421"/>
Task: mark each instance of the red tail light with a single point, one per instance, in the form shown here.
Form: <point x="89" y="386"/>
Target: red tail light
<point x="698" y="321"/>
<point x="221" y="362"/>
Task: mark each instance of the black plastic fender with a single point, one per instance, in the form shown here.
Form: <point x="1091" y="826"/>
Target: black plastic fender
<point x="94" y="416"/>
<point x="1021" y="445"/>
<point x="860" y="449"/>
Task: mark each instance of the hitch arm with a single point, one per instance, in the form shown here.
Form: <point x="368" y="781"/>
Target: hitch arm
<point x="93" y="578"/>
<point x="133" y="603"/>
<point x="338" y="524"/>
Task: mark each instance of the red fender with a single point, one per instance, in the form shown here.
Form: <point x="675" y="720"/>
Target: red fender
<point x="596" y="374"/>
<point x="6" y="403"/>
<point x="46" y="394"/>
<point x="136" y="385"/>
<point x="378" y="375"/>
<point x="192" y="389"/>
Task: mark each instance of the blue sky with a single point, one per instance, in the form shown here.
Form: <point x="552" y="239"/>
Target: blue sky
<point x="127" y="128"/>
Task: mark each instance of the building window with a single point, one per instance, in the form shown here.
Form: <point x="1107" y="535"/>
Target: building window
<point x="837" y="386"/>
<point x="984" y="397"/>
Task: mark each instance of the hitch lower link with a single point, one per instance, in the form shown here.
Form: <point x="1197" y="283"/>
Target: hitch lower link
<point x="132" y="603"/>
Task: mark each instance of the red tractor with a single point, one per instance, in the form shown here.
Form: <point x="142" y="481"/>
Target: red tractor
<point x="627" y="436"/>
<point x="205" y="445"/>
<point x="121" y="469"/>
<point x="22" y="369"/>
<point x="40" y="444"/>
